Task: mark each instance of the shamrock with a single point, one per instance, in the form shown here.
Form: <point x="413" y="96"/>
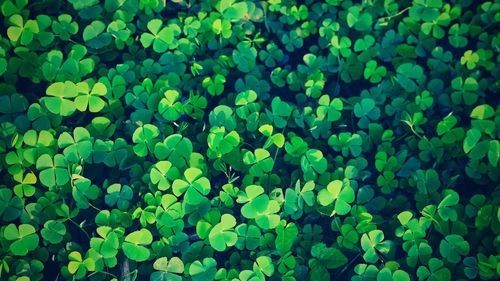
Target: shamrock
<point x="24" y="238"/>
<point x="339" y="193"/>
<point x="258" y="206"/>
<point x="194" y="185"/>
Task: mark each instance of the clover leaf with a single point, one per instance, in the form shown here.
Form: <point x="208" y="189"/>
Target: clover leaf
<point x="168" y="269"/>
<point x="373" y="243"/>
<point x="265" y="265"/>
<point x="77" y="147"/>
<point x="145" y="136"/>
<point x="10" y="206"/>
<point x="169" y="107"/>
<point x="84" y="191"/>
<point x="78" y="266"/>
<point x="248" y="237"/>
<point x="245" y="57"/>
<point x="53" y="231"/>
<point x="346" y="142"/>
<point x="161" y="38"/>
<point x="162" y="173"/>
<point x="373" y="72"/>
<point x="59" y="102"/>
<point x="258" y="206"/>
<point x="107" y="244"/>
<point x="95" y="36"/>
<point x="65" y="27"/>
<point x="194" y="185"/>
<point x="53" y="170"/>
<point x="24" y="238"/>
<point x="367" y="111"/>
<point x="134" y="245"/>
<point x="10" y="7"/>
<point x="214" y="86"/>
<point x="21" y="32"/>
<point x="465" y="90"/>
<point x="339" y="192"/>
<point x="285" y="236"/>
<point x="325" y="258"/>
<point x="222" y="236"/>
<point x="313" y="163"/>
<point x="452" y="247"/>
<point x="260" y="161"/>
<point x="434" y="271"/>
<point x="119" y="195"/>
<point x="329" y="110"/>
<point x="176" y="149"/>
<point x="220" y="143"/>
<point x="203" y="270"/>
<point x="90" y="98"/>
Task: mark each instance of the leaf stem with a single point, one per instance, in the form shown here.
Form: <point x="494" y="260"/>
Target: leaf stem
<point x="103" y="272"/>
<point x="278" y="148"/>
<point x="388" y="18"/>
<point x="81" y="228"/>
<point x="348" y="265"/>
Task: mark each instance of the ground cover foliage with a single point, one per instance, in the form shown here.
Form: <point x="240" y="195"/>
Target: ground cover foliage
<point x="249" y="140"/>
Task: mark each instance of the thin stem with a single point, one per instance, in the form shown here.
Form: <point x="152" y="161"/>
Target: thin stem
<point x="413" y="130"/>
<point x="401" y="137"/>
<point x="94" y="207"/>
<point x="348" y="265"/>
<point x="103" y="272"/>
<point x="81" y="228"/>
<point x="278" y="148"/>
<point x="250" y="145"/>
<point x="264" y="8"/>
<point x="337" y="224"/>
<point x="388" y="18"/>
<point x="430" y="231"/>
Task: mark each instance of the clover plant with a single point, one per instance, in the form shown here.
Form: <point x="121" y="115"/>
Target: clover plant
<point x="250" y="140"/>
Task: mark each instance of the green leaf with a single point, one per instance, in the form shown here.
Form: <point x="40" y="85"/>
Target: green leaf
<point x="203" y="271"/>
<point x="53" y="171"/>
<point x="194" y="185"/>
<point x="119" y="195"/>
<point x="169" y="107"/>
<point x="133" y="245"/>
<point x="482" y="112"/>
<point x="91" y="98"/>
<point x="259" y="207"/>
<point x="84" y="191"/>
<point x="265" y="265"/>
<point x="222" y="235"/>
<point x="53" y="231"/>
<point x="313" y="163"/>
<point x="10" y="206"/>
<point x="77" y="147"/>
<point x="248" y="237"/>
<point x="168" y="269"/>
<point x="452" y="247"/>
<point x="330" y="258"/>
<point x="339" y="193"/>
<point x="160" y="38"/>
<point x="434" y="271"/>
<point x="285" y="236"/>
<point x="176" y="149"/>
<point x="144" y="137"/>
<point x="373" y="245"/>
<point x="23" y="238"/>
<point x="472" y="138"/>
<point x="95" y="36"/>
<point x="245" y="57"/>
